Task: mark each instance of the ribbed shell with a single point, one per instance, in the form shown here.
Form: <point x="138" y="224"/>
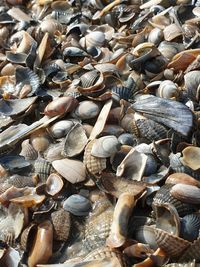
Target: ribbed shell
<point x="145" y="234"/>
<point x="62" y="224"/>
<point x="89" y="78"/>
<point x="20" y="181"/>
<point x="42" y="168"/>
<point x="28" y="151"/>
<point x="190" y="226"/>
<point x="98" y="227"/>
<point x="171" y="244"/>
<point x="122" y="92"/>
<point x="192" y="252"/>
<point x="163" y="196"/>
<point x="151" y="130"/>
<point x="106" y="252"/>
<point x="188" y="264"/>
<point x="93" y="164"/>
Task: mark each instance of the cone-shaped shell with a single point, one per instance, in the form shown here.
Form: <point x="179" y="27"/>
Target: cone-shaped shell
<point x="75" y="141"/>
<point x="171" y="244"/>
<point x="71" y="170"/>
<point x="191" y="157"/>
<point x="105" y="146"/>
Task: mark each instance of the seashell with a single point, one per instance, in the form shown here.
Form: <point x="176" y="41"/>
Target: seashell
<point x="41" y="250"/>
<point x="112" y="129"/>
<point x="40" y="140"/>
<point x="145" y="234"/>
<point x="61" y="106"/>
<point x="188" y="264"/>
<point x="89" y="78"/>
<point x="54" y="152"/>
<point x="167" y="89"/>
<point x="61" y="224"/>
<point x="192" y="80"/>
<point x="14" y="164"/>
<point x="133" y="165"/>
<point x="77" y="205"/>
<point x="119" y="227"/>
<point x="172" y="31"/>
<point x="42" y="168"/>
<point x="72" y="170"/>
<point x="20" y="181"/>
<point x="98" y="225"/>
<point x="105" y="146"/>
<point x="28" y="201"/>
<point x="127" y="139"/>
<point x="170" y="49"/>
<point x="155" y="36"/>
<point x="138" y="250"/>
<point x="150" y="107"/>
<point x="73" y="51"/>
<point x="87" y="110"/>
<point x="28" y="151"/>
<point x="95" y="38"/>
<point x="186" y="193"/>
<point x="151" y="165"/>
<point x="182" y="178"/>
<point x="191" y="253"/>
<point x="163" y="195"/>
<point x="61" y="128"/>
<point x="54" y="184"/>
<point x="171" y="244"/>
<point x="51" y="26"/>
<point x="93" y="164"/>
<point x="26" y="239"/>
<point x="191" y="157"/>
<point x="75" y="141"/>
<point x="190" y="226"/>
<point x="167" y="218"/>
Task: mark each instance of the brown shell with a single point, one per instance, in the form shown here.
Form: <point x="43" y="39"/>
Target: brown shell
<point x="93" y="164"/>
<point x="62" y="224"/>
<point x="27" y="236"/>
<point x="182" y="178"/>
<point x="192" y="252"/>
<point x="171" y="244"/>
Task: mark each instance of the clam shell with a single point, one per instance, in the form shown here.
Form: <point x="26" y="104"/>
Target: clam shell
<point x="105" y="146"/>
<point x="167" y="89"/>
<point x="61" y="106"/>
<point x="186" y="193"/>
<point x="190" y="226"/>
<point x="61" y="224"/>
<point x="89" y="78"/>
<point x="171" y="32"/>
<point x="182" y="178"/>
<point x="171" y="244"/>
<point x="71" y="170"/>
<point x="42" y="168"/>
<point x="87" y="110"/>
<point x="96" y="38"/>
<point x="127" y="139"/>
<point x="75" y="141"/>
<point x="54" y="152"/>
<point x="93" y="164"/>
<point x="191" y="157"/>
<point x="54" y="184"/>
<point x="61" y="128"/>
<point x="51" y="26"/>
<point x="77" y="205"/>
<point x="28" y="201"/>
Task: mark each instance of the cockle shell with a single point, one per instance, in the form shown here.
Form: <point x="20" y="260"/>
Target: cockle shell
<point x="41" y="250"/>
<point x="42" y="168"/>
<point x="61" y="106"/>
<point x="190" y="226"/>
<point x="28" y="151"/>
<point x="40" y="140"/>
<point x="72" y="170"/>
<point x="75" y="141"/>
<point x="145" y="234"/>
<point x="61" y="221"/>
<point x="26" y="239"/>
<point x="105" y="146"/>
<point x="192" y="252"/>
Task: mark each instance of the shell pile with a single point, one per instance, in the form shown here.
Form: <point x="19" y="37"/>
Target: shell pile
<point x="99" y="133"/>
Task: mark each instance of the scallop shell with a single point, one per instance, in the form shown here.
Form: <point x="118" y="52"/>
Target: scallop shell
<point x="77" y="205"/>
<point x="171" y="244"/>
<point x="28" y="151"/>
<point x="62" y="224"/>
<point x="105" y="146"/>
<point x="93" y="164"/>
<point x="42" y="168"/>
<point x="75" y="141"/>
<point x="190" y="226"/>
<point x="186" y="193"/>
<point x="54" y="184"/>
<point x="71" y="170"/>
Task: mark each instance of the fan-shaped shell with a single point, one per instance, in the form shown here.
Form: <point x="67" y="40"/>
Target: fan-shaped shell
<point x="75" y="141"/>
<point x="145" y="234"/>
<point x="192" y="252"/>
<point x="42" y="168"/>
<point x="62" y="224"/>
<point x="71" y="170"/>
<point x="28" y="151"/>
<point x="190" y="226"/>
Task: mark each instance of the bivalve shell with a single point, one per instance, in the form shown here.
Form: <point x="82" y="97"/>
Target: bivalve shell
<point x="54" y="184"/>
<point x="77" y="205"/>
<point x="186" y="193"/>
<point x="87" y="110"/>
<point x="72" y="170"/>
<point x="61" y="128"/>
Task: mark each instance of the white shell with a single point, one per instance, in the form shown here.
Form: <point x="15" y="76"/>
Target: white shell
<point x="61" y="128"/>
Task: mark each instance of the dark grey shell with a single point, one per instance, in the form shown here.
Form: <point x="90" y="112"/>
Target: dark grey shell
<point x="77" y="205"/>
<point x="127" y="139"/>
<point x="145" y="234"/>
<point x="171" y="113"/>
<point x="122" y="92"/>
<point x="89" y="78"/>
<point x="190" y="226"/>
<point x="163" y="196"/>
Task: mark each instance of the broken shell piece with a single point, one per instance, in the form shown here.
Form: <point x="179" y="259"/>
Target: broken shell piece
<point x="121" y="216"/>
<point x="71" y="170"/>
<point x="54" y="184"/>
<point x="28" y="200"/>
<point x="133" y="165"/>
<point x="138" y="250"/>
<point x="105" y="146"/>
<point x="42" y="248"/>
<point x="75" y="141"/>
<point x="191" y="156"/>
<point x="186" y="193"/>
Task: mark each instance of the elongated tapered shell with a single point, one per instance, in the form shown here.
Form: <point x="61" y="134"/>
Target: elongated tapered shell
<point x="93" y="164"/>
<point x="72" y="170"/>
<point x="192" y="252"/>
<point x="186" y="193"/>
<point x="171" y="244"/>
<point x="75" y="141"/>
<point x="62" y="224"/>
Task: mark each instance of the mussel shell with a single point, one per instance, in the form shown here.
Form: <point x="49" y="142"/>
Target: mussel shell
<point x="15" y="164"/>
<point x="62" y="224"/>
<point x="190" y="226"/>
<point x="77" y="205"/>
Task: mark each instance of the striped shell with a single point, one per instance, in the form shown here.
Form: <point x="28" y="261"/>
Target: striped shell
<point x="42" y="168"/>
<point x="62" y="224"/>
<point x="93" y="164"/>
<point x="192" y="252"/>
<point x="89" y="78"/>
<point x="20" y="181"/>
<point x="171" y="244"/>
<point x="28" y="151"/>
